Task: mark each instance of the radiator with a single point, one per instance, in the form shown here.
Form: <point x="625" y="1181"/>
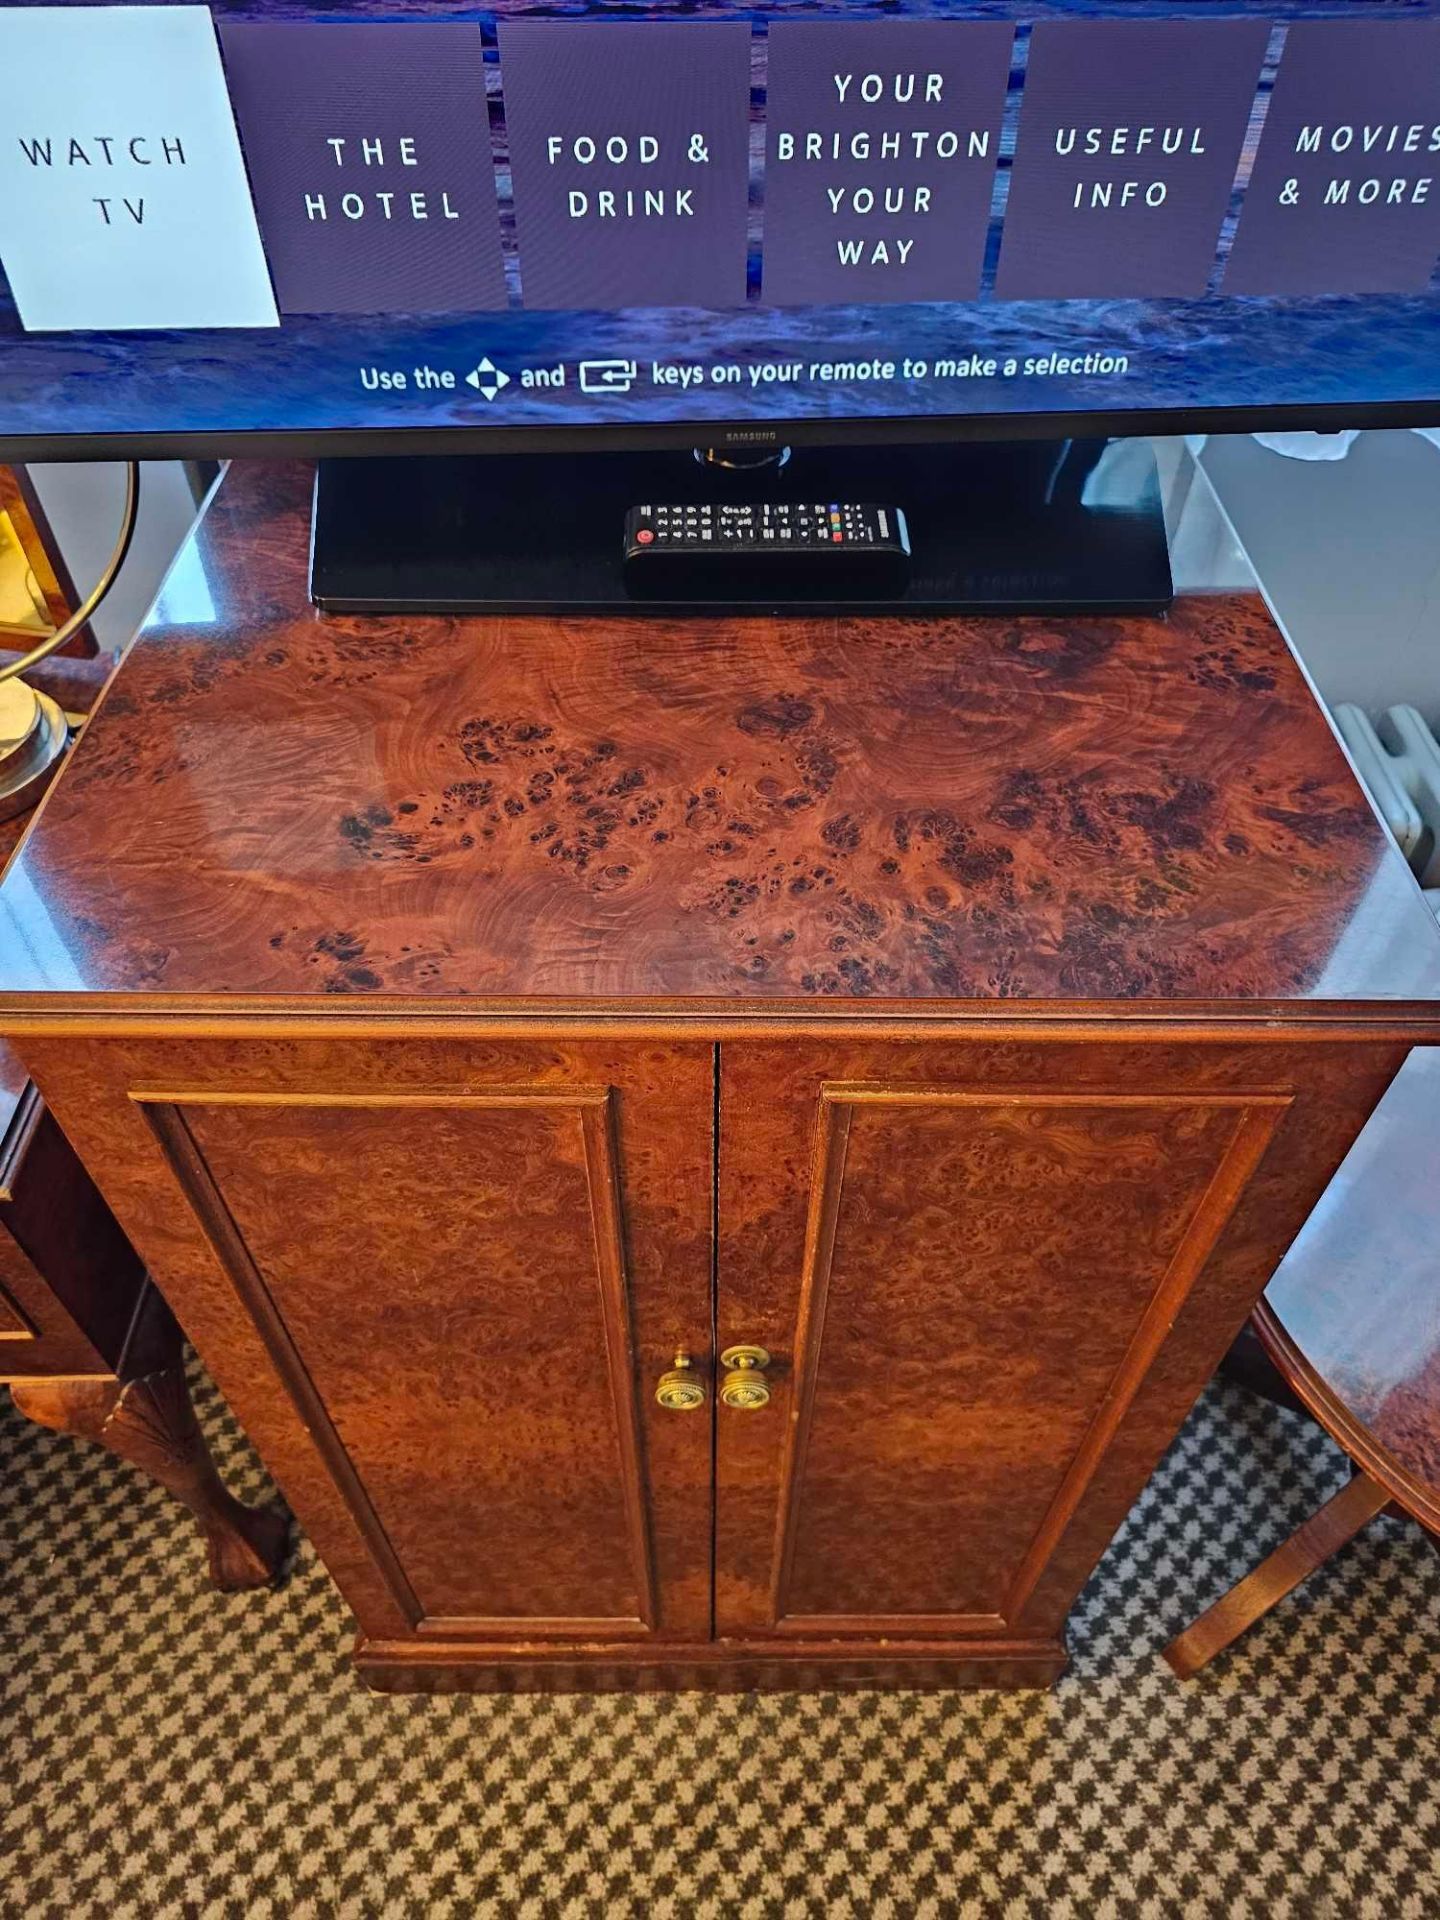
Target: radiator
<point x="1398" y="758"/>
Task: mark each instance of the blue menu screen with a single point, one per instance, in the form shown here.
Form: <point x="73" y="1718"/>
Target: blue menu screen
<point x="409" y="214"/>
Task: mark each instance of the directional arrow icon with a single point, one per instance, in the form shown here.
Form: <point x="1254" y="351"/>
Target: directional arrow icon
<point x="487" y="378"/>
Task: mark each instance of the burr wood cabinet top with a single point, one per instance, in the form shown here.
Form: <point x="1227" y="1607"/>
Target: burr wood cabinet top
<point x="763" y="814"/>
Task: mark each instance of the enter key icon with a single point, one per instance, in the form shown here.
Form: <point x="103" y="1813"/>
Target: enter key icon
<point x="607" y="376"/>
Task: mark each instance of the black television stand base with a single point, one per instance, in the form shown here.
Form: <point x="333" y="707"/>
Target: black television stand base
<point x="1038" y="525"/>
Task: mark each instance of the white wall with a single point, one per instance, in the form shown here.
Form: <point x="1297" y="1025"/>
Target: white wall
<point x="83" y="501"/>
<point x="1349" y="552"/>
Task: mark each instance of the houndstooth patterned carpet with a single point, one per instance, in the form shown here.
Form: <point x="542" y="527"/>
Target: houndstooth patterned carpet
<point x="167" y="1751"/>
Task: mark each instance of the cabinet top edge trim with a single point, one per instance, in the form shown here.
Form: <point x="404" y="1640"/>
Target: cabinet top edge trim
<point x="138" y="1017"/>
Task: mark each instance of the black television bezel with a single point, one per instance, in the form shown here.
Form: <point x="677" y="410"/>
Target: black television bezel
<point x="841" y="430"/>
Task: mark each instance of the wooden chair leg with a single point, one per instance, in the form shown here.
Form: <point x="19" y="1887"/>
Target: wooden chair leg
<point x="1324" y="1533"/>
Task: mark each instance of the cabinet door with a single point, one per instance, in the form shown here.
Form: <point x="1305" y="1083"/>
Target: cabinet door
<point x="437" y="1281"/>
<point x="992" y="1278"/>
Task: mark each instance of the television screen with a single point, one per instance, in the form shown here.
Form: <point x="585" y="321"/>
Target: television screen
<point x="267" y="215"/>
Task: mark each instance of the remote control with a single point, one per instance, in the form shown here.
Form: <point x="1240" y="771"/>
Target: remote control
<point x="833" y="548"/>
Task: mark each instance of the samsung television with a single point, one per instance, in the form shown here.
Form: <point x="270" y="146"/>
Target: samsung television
<point x="591" y="236"/>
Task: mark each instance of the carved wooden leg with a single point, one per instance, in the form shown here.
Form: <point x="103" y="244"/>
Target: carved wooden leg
<point x="1324" y="1533"/>
<point x="150" y="1422"/>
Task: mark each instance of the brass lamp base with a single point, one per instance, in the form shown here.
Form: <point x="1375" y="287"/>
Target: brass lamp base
<point x="33" y="735"/>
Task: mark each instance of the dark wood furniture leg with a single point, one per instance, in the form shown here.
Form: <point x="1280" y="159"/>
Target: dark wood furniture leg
<point x="1337" y="1522"/>
<point x="1249" y="1365"/>
<point x="144" y="1415"/>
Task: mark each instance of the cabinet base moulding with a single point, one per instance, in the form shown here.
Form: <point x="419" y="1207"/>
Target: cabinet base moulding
<point x="726" y="1666"/>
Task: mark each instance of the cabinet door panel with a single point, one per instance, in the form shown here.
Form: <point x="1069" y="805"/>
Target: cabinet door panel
<point x="465" y="1266"/>
<point x="471" y="1245"/>
<point x="980" y="1268"/>
<point x="967" y="1264"/>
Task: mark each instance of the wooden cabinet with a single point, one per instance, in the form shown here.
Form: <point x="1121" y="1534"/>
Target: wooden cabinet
<point x="465" y="1018"/>
<point x="442" y="1279"/>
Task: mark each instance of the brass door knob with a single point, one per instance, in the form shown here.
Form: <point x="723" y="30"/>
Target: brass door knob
<point x="681" y="1389"/>
<point x="745" y="1387"/>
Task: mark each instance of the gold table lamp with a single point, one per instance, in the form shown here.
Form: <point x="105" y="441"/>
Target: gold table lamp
<point x="34" y="732"/>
